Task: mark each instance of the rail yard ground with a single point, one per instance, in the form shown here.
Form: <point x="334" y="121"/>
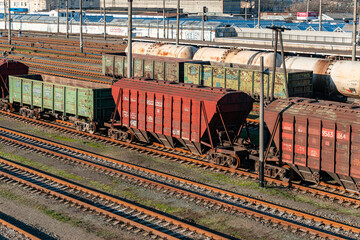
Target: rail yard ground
<point x="52" y="218"/>
<point x="48" y="216"/>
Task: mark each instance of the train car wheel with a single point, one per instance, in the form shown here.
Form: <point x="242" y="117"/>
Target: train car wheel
<point x="129" y="136"/>
<point x="233" y="161"/>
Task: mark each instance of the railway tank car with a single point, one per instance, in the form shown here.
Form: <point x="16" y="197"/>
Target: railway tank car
<point x="317" y="139"/>
<point x="163" y="50"/>
<point x="235" y="56"/>
<point x="199" y="119"/>
<point x="331" y="78"/>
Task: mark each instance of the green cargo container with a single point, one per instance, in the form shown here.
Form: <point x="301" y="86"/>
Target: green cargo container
<point x="152" y="67"/>
<point x="68" y="97"/>
<point x="247" y="79"/>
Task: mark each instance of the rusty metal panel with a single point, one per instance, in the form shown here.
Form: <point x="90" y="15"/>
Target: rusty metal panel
<point x="159" y="70"/>
<point x="232" y="78"/>
<point x="192" y="73"/>
<point x="138" y="70"/>
<point x="218" y="77"/>
<point x="207" y="76"/>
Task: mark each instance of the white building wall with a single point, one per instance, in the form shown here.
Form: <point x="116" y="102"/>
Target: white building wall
<point x="192" y="6"/>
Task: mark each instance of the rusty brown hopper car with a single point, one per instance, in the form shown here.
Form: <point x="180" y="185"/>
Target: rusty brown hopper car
<point x="9" y="67"/>
<point x="199" y="119"/>
<point x="318" y="138"/>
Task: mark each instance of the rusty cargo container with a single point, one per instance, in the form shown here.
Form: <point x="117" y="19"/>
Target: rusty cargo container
<point x="151" y="67"/>
<point x="81" y="102"/>
<point x="318" y="138"/>
<point x="9" y="67"/>
<point x="180" y="114"/>
<point x="247" y="79"/>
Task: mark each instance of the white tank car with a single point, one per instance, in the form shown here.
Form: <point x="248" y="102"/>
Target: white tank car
<point x="330" y="76"/>
<point x="163" y="50"/>
<point x="235" y="56"/>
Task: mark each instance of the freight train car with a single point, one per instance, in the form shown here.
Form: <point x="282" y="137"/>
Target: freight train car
<point x="247" y="79"/>
<point x="9" y="67"/>
<point x="151" y="67"/>
<point x="318" y="139"/>
<point x="200" y="119"/>
<point x="85" y="104"/>
<point x="240" y="77"/>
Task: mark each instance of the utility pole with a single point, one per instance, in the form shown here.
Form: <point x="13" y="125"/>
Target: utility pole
<point x="104" y="19"/>
<point x="204" y="19"/>
<point x="5" y="18"/>
<point x="67" y="18"/>
<point x="81" y="31"/>
<point x="129" y="56"/>
<point x="178" y="22"/>
<point x="58" y="15"/>
<point x="320" y="16"/>
<point x="261" y="133"/>
<point x="354" y="32"/>
<point x="9" y="23"/>
<point x="307" y="11"/>
<point x="259" y="13"/>
<point x="164" y="27"/>
<point x="245" y="10"/>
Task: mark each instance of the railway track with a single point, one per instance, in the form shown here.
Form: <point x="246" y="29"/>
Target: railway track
<point x="323" y="190"/>
<point x="192" y="191"/>
<point x="64" y="52"/>
<point x="72" y="71"/>
<point x="93" y="69"/>
<point x="11" y="231"/>
<point x="125" y="214"/>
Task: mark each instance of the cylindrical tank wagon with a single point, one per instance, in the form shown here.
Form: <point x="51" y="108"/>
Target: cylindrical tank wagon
<point x="234" y="56"/>
<point x="163" y="50"/>
<point x="332" y="78"/>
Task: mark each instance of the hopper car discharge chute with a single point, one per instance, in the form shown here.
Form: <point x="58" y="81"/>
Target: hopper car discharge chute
<point x="202" y="120"/>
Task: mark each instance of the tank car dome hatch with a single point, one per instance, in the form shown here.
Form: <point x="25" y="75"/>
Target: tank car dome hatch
<point x="163" y="50"/>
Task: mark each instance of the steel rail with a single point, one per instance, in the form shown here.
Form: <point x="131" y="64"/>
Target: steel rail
<point x="178" y="179"/>
<point x="106" y="197"/>
<point x="19" y="230"/>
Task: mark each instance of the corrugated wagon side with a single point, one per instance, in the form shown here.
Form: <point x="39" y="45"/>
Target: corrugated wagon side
<point x="151" y="67"/>
<point x="247" y="79"/>
<point x="318" y="138"/>
<point x="85" y="104"/>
